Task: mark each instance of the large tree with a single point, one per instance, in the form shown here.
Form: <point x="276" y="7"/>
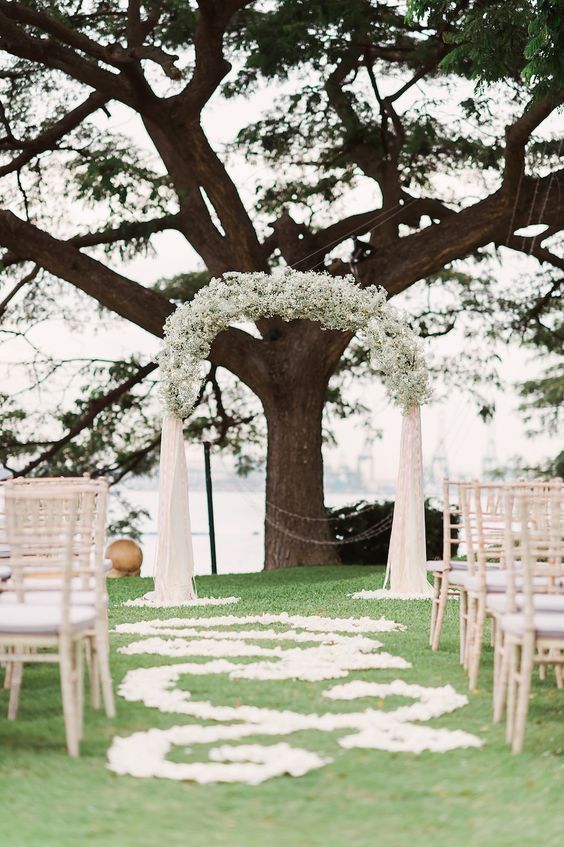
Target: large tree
<point x="361" y="94"/>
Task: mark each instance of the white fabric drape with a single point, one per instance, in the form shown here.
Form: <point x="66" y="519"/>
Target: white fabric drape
<point x="174" y="567"/>
<point x="406" y="570"/>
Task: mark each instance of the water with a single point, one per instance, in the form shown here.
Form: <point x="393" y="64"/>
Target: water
<point x="239" y="527"/>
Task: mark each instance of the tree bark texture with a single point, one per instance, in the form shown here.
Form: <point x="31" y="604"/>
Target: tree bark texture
<point x="300" y="359"/>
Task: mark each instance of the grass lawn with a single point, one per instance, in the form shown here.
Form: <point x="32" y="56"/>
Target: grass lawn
<point x="481" y="797"/>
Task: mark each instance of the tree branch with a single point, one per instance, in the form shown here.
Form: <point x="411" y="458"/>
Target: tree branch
<point x="93" y="409"/>
<point x="23" y="281"/>
<point x="48" y="139"/>
<point x="121" y="295"/>
<point x="126" y="231"/>
<point x="240" y="353"/>
<point x="210" y="63"/>
<point x="458" y="235"/>
<point x="517" y="135"/>
<point x="60" y="52"/>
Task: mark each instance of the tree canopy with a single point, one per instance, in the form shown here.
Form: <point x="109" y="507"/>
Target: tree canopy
<point x="397" y="142"/>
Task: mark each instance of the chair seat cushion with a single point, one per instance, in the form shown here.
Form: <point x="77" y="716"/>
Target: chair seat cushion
<point x="24" y="619"/>
<point x="497" y="603"/>
<point x="495" y="581"/>
<point x="546" y="624"/>
<point x="49" y="598"/>
<point x="458" y="578"/>
<point x="78" y="583"/>
<point x="5" y="573"/>
<point x="459" y="565"/>
<point x="544" y="602"/>
<point x="437" y="565"/>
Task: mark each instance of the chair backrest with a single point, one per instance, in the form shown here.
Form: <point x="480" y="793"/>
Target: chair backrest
<point x="535" y="544"/>
<point x="4" y="549"/>
<point x="485" y="516"/>
<point x="492" y="513"/>
<point x="453" y="523"/>
<point x="45" y="533"/>
<point x="92" y="510"/>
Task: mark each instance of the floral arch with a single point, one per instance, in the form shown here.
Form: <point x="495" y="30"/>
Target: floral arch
<point x="337" y="303"/>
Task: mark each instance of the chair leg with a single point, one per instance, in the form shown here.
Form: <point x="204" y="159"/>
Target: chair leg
<point x="476" y="650"/>
<point x="498" y="653"/>
<point x="93" y="670"/>
<point x="103" y="651"/>
<point x="440" y="611"/>
<point x="69" y="700"/>
<point x="470" y="626"/>
<point x="437" y="579"/>
<point x="79" y="686"/>
<point x="503" y="682"/>
<point x="8" y="670"/>
<point x="522" y="704"/>
<point x="513" y="650"/>
<point x="15" y="685"/>
<point x="542" y="668"/>
<point x="559" y="676"/>
<point x="462" y="628"/>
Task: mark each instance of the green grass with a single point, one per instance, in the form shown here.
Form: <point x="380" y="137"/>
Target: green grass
<point x="365" y="797"/>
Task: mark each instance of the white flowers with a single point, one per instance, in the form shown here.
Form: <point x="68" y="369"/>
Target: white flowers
<point x="320" y="648"/>
<point x="335" y="302"/>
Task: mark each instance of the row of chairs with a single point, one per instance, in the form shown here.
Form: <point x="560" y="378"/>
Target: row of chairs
<point x="513" y="574"/>
<point x="53" y="599"/>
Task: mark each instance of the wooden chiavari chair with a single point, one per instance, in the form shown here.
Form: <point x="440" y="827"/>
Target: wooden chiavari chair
<point x="449" y="575"/>
<point x="534" y="634"/>
<point x="89" y="586"/>
<point x="45" y="532"/>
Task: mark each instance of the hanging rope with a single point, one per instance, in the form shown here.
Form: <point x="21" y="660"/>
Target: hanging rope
<point x="372" y="532"/>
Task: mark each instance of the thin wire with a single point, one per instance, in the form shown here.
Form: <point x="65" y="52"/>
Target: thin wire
<point x="361" y="228"/>
<point x="548" y="187"/>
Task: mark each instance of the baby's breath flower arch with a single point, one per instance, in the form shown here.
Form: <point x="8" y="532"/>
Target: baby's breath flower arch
<point x="337" y="303"/>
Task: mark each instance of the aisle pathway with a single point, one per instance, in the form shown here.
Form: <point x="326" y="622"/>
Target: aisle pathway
<point x="272" y="648"/>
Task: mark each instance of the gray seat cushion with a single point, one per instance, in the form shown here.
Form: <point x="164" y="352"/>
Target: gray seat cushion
<point x="55" y="583"/>
<point x="497" y="603"/>
<point x="438" y="566"/>
<point x="498" y="580"/>
<point x="495" y="581"/>
<point x="544" y="602"/>
<point x="458" y="578"/>
<point x="547" y="624"/>
<point x="49" y="598"/>
<point x="24" y="619"/>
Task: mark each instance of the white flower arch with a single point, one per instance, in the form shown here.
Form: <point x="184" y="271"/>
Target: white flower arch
<point x="337" y="303"/>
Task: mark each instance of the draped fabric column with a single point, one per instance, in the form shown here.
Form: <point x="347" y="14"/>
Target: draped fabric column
<point x="406" y="570"/>
<point x="174" y="567"/>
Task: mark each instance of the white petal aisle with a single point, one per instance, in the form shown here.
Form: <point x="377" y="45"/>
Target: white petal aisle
<point x="303" y="648"/>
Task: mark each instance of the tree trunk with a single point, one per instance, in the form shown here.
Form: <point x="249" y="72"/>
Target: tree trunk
<point x="296" y="529"/>
<point x="301" y="359"/>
